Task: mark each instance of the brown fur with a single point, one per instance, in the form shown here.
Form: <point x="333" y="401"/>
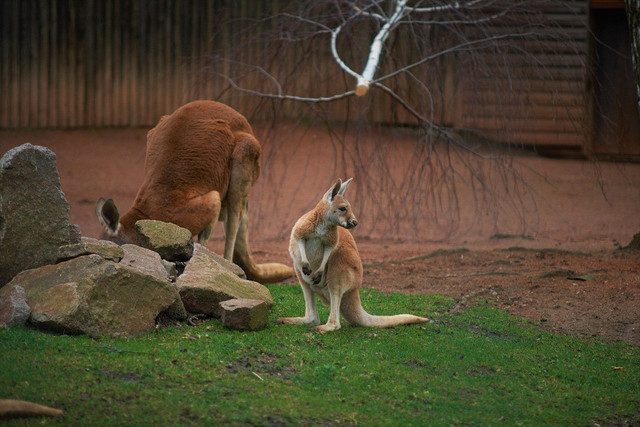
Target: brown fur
<point x="327" y="263"/>
<point x="201" y="164"/>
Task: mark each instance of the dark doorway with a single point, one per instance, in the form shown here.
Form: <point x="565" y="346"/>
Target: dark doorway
<point x="616" y="130"/>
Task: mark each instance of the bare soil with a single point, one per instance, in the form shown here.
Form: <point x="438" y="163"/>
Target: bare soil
<point x="557" y="262"/>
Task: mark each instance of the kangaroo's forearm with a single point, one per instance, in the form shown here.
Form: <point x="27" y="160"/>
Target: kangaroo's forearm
<point x="302" y="250"/>
<point x="325" y="257"/>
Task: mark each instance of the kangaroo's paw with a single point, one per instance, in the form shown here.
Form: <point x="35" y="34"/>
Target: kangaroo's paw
<point x="317" y="278"/>
<point x="327" y="327"/>
<point x="306" y="269"/>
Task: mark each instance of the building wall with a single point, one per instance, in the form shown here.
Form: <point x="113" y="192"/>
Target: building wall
<point x="540" y="85"/>
<point x="98" y="63"/>
<point x="103" y="63"/>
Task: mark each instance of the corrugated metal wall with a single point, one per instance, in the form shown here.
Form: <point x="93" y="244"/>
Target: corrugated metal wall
<point x="96" y="63"/>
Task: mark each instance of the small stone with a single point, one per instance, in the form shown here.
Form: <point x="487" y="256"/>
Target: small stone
<point x="635" y="242"/>
<point x="245" y="314"/>
<point x="14" y="309"/>
<point x="170" y="268"/>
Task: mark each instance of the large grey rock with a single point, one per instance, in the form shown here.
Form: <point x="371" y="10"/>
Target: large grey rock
<point x="205" y="283"/>
<point x="95" y="296"/>
<point x="34" y="213"/>
<point x="245" y="314"/>
<point x="149" y="262"/>
<point x="172" y="242"/>
<point x="75" y="234"/>
<point x="14" y="309"/>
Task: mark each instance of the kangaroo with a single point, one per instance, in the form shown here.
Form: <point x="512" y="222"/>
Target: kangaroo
<point x="200" y="166"/>
<point x="327" y="263"/>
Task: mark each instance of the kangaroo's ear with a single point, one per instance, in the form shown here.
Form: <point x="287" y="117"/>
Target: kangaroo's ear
<point x="344" y="186"/>
<point x="333" y="191"/>
<point x="108" y="215"/>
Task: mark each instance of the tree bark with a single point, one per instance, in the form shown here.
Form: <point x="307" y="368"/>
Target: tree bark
<point x="633" y="14"/>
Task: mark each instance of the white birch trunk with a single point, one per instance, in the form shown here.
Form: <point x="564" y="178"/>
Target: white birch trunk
<point x="365" y="79"/>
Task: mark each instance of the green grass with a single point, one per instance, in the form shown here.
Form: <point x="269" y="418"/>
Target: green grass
<point x="478" y="367"/>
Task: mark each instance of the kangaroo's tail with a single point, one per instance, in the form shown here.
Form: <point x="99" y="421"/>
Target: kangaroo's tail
<point x="10" y="408"/>
<point x="351" y="309"/>
<point x="271" y="272"/>
<point x="263" y="273"/>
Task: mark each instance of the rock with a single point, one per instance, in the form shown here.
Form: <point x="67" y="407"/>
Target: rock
<point x="171" y="268"/>
<point x="225" y="263"/>
<point x="244" y="314"/>
<point x="58" y="309"/>
<point x="176" y="311"/>
<point x="172" y="242"/>
<point x="635" y="242"/>
<point x="75" y="235"/>
<point x="145" y="260"/>
<point x="14" y="309"/>
<point x="94" y="296"/>
<point x="149" y="262"/>
<point x="107" y="250"/>
<point x="205" y="283"/>
<point x="127" y="302"/>
<point x="34" y="213"/>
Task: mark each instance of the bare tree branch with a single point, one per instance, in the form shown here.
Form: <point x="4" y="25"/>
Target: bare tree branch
<point x="417" y="57"/>
<point x="364" y="80"/>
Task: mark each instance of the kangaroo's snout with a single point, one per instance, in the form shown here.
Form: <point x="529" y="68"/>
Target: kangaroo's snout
<point x="352" y="223"/>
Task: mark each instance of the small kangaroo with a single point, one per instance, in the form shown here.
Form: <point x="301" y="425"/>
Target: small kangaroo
<point x="200" y="166"/>
<point x="327" y="263"/>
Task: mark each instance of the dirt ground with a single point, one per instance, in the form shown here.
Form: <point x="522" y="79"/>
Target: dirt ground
<point x="556" y="262"/>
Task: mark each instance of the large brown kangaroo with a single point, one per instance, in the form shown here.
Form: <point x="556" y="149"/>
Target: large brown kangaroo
<point x="201" y="164"/>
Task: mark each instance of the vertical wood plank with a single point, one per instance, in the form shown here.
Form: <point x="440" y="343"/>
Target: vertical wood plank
<point x="52" y="82"/>
<point x="79" y="81"/>
<point x="25" y="65"/>
<point x="121" y="63"/>
<point x="5" y="48"/>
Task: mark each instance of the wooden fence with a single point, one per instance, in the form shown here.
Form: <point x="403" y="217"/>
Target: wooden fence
<point x="101" y="63"/>
<point x="98" y="63"/>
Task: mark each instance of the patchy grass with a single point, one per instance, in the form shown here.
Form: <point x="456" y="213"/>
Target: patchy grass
<point x="479" y="366"/>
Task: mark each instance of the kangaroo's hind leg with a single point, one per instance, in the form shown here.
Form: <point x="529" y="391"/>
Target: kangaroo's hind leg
<point x="245" y="169"/>
<point x="335" y="298"/>
<point x="310" y="307"/>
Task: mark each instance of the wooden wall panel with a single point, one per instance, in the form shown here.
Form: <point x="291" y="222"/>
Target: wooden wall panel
<point x="535" y="90"/>
<point x="102" y="63"/>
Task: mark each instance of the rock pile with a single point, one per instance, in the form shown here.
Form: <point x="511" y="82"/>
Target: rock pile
<point x="96" y="287"/>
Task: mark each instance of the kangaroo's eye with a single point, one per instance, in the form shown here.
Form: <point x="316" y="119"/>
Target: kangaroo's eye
<point x="343" y="209"/>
